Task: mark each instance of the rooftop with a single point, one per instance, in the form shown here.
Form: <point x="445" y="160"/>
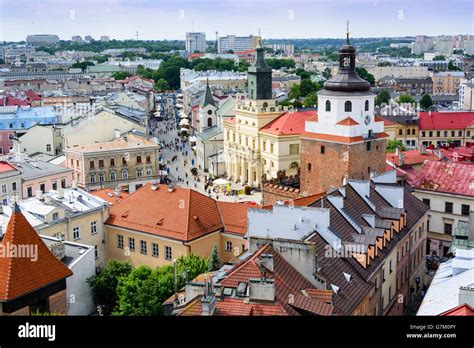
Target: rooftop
<point x="125" y="142"/>
<point x="289" y="123"/>
<point x="445" y="120"/>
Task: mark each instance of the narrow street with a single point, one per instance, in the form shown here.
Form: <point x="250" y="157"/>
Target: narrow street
<point x="180" y="159"/>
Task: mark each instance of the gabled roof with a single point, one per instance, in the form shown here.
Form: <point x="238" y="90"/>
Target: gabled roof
<point x="412" y="157"/>
<point x="445" y="120"/>
<point x="462" y="310"/>
<point x="110" y="195"/>
<point x="22" y="275"/>
<point x="448" y="177"/>
<point x="182" y="214"/>
<point x="234" y="216"/>
<point x="348" y="121"/>
<point x="289" y="123"/>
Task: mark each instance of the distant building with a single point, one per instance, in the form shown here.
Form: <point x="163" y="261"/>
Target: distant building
<point x="236" y="43"/>
<point x="466" y="95"/>
<point x="447" y="82"/>
<point x="195" y="42"/>
<point x="288" y="49"/>
<point x="399" y="72"/>
<point x="42" y="40"/>
<point x="412" y="86"/>
<point x="104" y="38"/>
<point x="88" y="38"/>
<point x="10" y="182"/>
<point x="77" y="38"/>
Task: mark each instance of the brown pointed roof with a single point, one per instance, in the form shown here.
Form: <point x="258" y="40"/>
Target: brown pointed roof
<point x="22" y="275"/>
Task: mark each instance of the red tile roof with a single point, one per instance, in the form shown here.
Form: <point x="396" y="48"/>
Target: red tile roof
<point x="229" y="120"/>
<point x="445" y="120"/>
<point x="460" y="153"/>
<point x="21" y="275"/>
<point x="182" y="214"/>
<point x="234" y="216"/>
<point x="6" y="167"/>
<point x="340" y="138"/>
<point x="461" y="310"/>
<point x="110" y="195"/>
<point x="348" y="121"/>
<point x="236" y="307"/>
<point x="289" y="123"/>
<point x="412" y="157"/>
<point x="446" y="177"/>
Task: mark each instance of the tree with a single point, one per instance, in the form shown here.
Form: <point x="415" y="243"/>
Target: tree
<point x="382" y="98"/>
<point x="393" y="144"/>
<point x="101" y="59"/>
<point x="295" y="91"/>
<point x="308" y="86"/>
<point x="213" y="263"/>
<point x="276" y="63"/>
<point x="302" y="73"/>
<point x="362" y="72"/>
<point x="82" y="65"/>
<point x="311" y="100"/>
<point x="439" y="57"/>
<point x="104" y="284"/>
<point x="2" y="61"/>
<point x="384" y="64"/>
<point x="162" y="85"/>
<point x="426" y="101"/>
<point x="405" y="98"/>
<point x="121" y="75"/>
<point x="453" y="67"/>
<point x="326" y="73"/>
<point x="189" y="267"/>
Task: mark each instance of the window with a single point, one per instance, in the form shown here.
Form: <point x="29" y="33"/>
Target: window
<point x="29" y="191"/>
<point x="453" y="133"/>
<point x="139" y="159"/>
<point x="124" y="161"/>
<point x="383" y="275"/>
<point x="168" y="253"/>
<point x="54" y="185"/>
<point x="125" y="174"/>
<point x="368" y="145"/>
<point x="271" y="148"/>
<point x="93" y="227"/>
<point x="148" y="172"/>
<point x="63" y="183"/>
<point x="48" y="147"/>
<point x="119" y="241"/>
<point x="76" y="233"/>
<point x="112" y="162"/>
<point x="308" y="167"/>
<point x="5" y="201"/>
<point x="101" y="177"/>
<point x="448" y="228"/>
<point x="139" y="173"/>
<point x="209" y="121"/>
<point x="55" y="216"/>
<point x="323" y="149"/>
<point x="77" y="163"/>
<point x="430" y="133"/>
<point x="131" y="244"/>
<point x="112" y="176"/>
<point x="42" y="188"/>
<point x="209" y="112"/>
<point x="101" y="163"/>
<point x="390" y="267"/>
<point x="448" y="207"/>
<point x="459" y="133"/>
<point x="438" y="133"/>
<point x="366" y="105"/>
<point x="154" y="249"/>
<point x="228" y="245"/>
<point x="4" y="188"/>
<point x="96" y="251"/>
<point x="423" y="134"/>
<point x="400" y="132"/>
<point x="465" y="209"/>
<point x="445" y="133"/>
<point x="347" y="106"/>
<point x="148" y="159"/>
<point x="143" y="247"/>
<point x="294" y="149"/>
<point x="427" y="202"/>
<point x="92" y="178"/>
<point x="328" y="105"/>
<point x="91" y="164"/>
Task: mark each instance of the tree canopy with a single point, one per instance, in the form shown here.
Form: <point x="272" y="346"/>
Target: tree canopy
<point x="276" y="63"/>
<point x="382" y="98"/>
<point x="362" y="72"/>
<point x="393" y="144"/>
<point x="426" y="101"/>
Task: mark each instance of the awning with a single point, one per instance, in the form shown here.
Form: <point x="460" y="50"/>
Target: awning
<point x="221" y="181"/>
<point x="184" y="122"/>
<point x="192" y="139"/>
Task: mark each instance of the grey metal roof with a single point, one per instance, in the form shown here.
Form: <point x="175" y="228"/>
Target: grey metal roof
<point x="209" y="133"/>
<point x="31" y="169"/>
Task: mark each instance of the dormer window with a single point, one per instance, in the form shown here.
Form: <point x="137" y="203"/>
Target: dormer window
<point x="328" y="105"/>
<point x="347" y="106"/>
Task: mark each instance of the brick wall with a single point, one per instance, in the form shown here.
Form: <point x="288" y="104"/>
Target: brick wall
<point x="22" y="311"/>
<point x="274" y="192"/>
<point x="338" y="160"/>
<point x="58" y="303"/>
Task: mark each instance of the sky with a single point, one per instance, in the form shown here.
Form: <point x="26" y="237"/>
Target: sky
<point x="171" y="19"/>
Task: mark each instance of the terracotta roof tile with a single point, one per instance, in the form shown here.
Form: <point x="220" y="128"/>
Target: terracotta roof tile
<point x="411" y="157"/>
<point x="234" y="216"/>
<point x="110" y="195"/>
<point x="21" y="275"/>
<point x="461" y="310"/>
<point x="289" y="123"/>
<point x="182" y="214"/>
<point x="236" y="307"/>
<point x="445" y="120"/>
<point x="348" y="121"/>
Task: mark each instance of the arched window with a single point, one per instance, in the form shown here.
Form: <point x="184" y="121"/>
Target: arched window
<point x="328" y="105"/>
<point x="209" y="122"/>
<point x="366" y="105"/>
<point x="309" y="167"/>
<point x="347" y="106"/>
<point x="265" y="105"/>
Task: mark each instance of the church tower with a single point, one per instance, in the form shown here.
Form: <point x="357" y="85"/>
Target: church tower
<point x="346" y="141"/>
<point x="208" y="116"/>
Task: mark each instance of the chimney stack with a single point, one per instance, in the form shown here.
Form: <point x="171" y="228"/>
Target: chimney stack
<point x="117" y="133"/>
<point x="39" y="195"/>
<point x="266" y="260"/>
<point x="61" y="193"/>
<point x="262" y="289"/>
<point x="423" y="149"/>
<point x="208" y="301"/>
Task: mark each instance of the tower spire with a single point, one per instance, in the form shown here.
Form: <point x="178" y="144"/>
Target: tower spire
<point x="347" y="32"/>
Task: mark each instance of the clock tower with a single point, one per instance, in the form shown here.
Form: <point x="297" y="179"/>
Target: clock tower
<point x="346" y="141"/>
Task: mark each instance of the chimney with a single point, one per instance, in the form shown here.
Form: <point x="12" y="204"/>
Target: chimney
<point x="423" y="149"/>
<point x="47" y="199"/>
<point x="58" y="249"/>
<point x="397" y="152"/>
<point x="39" y="195"/>
<point x="266" y="260"/>
<point x="117" y="133"/>
<point x="262" y="289"/>
<point x="61" y="193"/>
<point x="208" y="301"/>
<point x="74" y="184"/>
<point x="401" y="159"/>
<point x="466" y="295"/>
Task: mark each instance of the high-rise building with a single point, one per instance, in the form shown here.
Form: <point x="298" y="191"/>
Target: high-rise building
<point x="104" y="38"/>
<point x="237" y="43"/>
<point x="77" y="38"/>
<point x="195" y="42"/>
<point x="42" y="40"/>
<point x="346" y="141"/>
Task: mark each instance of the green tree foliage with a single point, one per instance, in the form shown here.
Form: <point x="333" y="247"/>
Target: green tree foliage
<point x="311" y="100"/>
<point x="101" y="59"/>
<point x="362" y="72"/>
<point x="162" y="85"/>
<point x="453" y="67"/>
<point x="439" y="57"/>
<point x="276" y="63"/>
<point x="405" y="98"/>
<point x="121" y="75"/>
<point x="382" y="98"/>
<point x="384" y="64"/>
<point x="82" y="65"/>
<point x="426" y="101"/>
<point x="213" y="263"/>
<point x="303" y="73"/>
<point x="295" y="91"/>
<point x="392" y="145"/>
<point x="326" y="73"/>
<point x="2" y="61"/>
<point x="104" y="284"/>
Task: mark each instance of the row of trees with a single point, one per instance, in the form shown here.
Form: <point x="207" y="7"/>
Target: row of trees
<point x="119" y="289"/>
<point x="383" y="97"/>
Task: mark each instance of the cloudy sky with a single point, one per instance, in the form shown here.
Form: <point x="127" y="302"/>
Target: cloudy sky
<point x="170" y="19"/>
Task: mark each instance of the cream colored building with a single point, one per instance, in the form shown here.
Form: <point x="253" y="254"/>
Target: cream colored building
<point x="406" y="72"/>
<point x="447" y="82"/>
<point x="466" y="95"/>
<point x="39" y="138"/>
<point x="128" y="161"/>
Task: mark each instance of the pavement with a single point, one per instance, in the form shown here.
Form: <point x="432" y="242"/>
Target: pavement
<point x="179" y="160"/>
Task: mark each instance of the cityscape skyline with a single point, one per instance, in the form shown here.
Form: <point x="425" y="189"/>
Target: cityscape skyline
<point x="302" y="19"/>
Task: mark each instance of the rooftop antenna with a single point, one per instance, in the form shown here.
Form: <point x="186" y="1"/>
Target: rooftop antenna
<point x="136" y="35"/>
<point x="347" y="31"/>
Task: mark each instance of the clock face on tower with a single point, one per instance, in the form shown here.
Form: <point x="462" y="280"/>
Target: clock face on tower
<point x="367" y="120"/>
